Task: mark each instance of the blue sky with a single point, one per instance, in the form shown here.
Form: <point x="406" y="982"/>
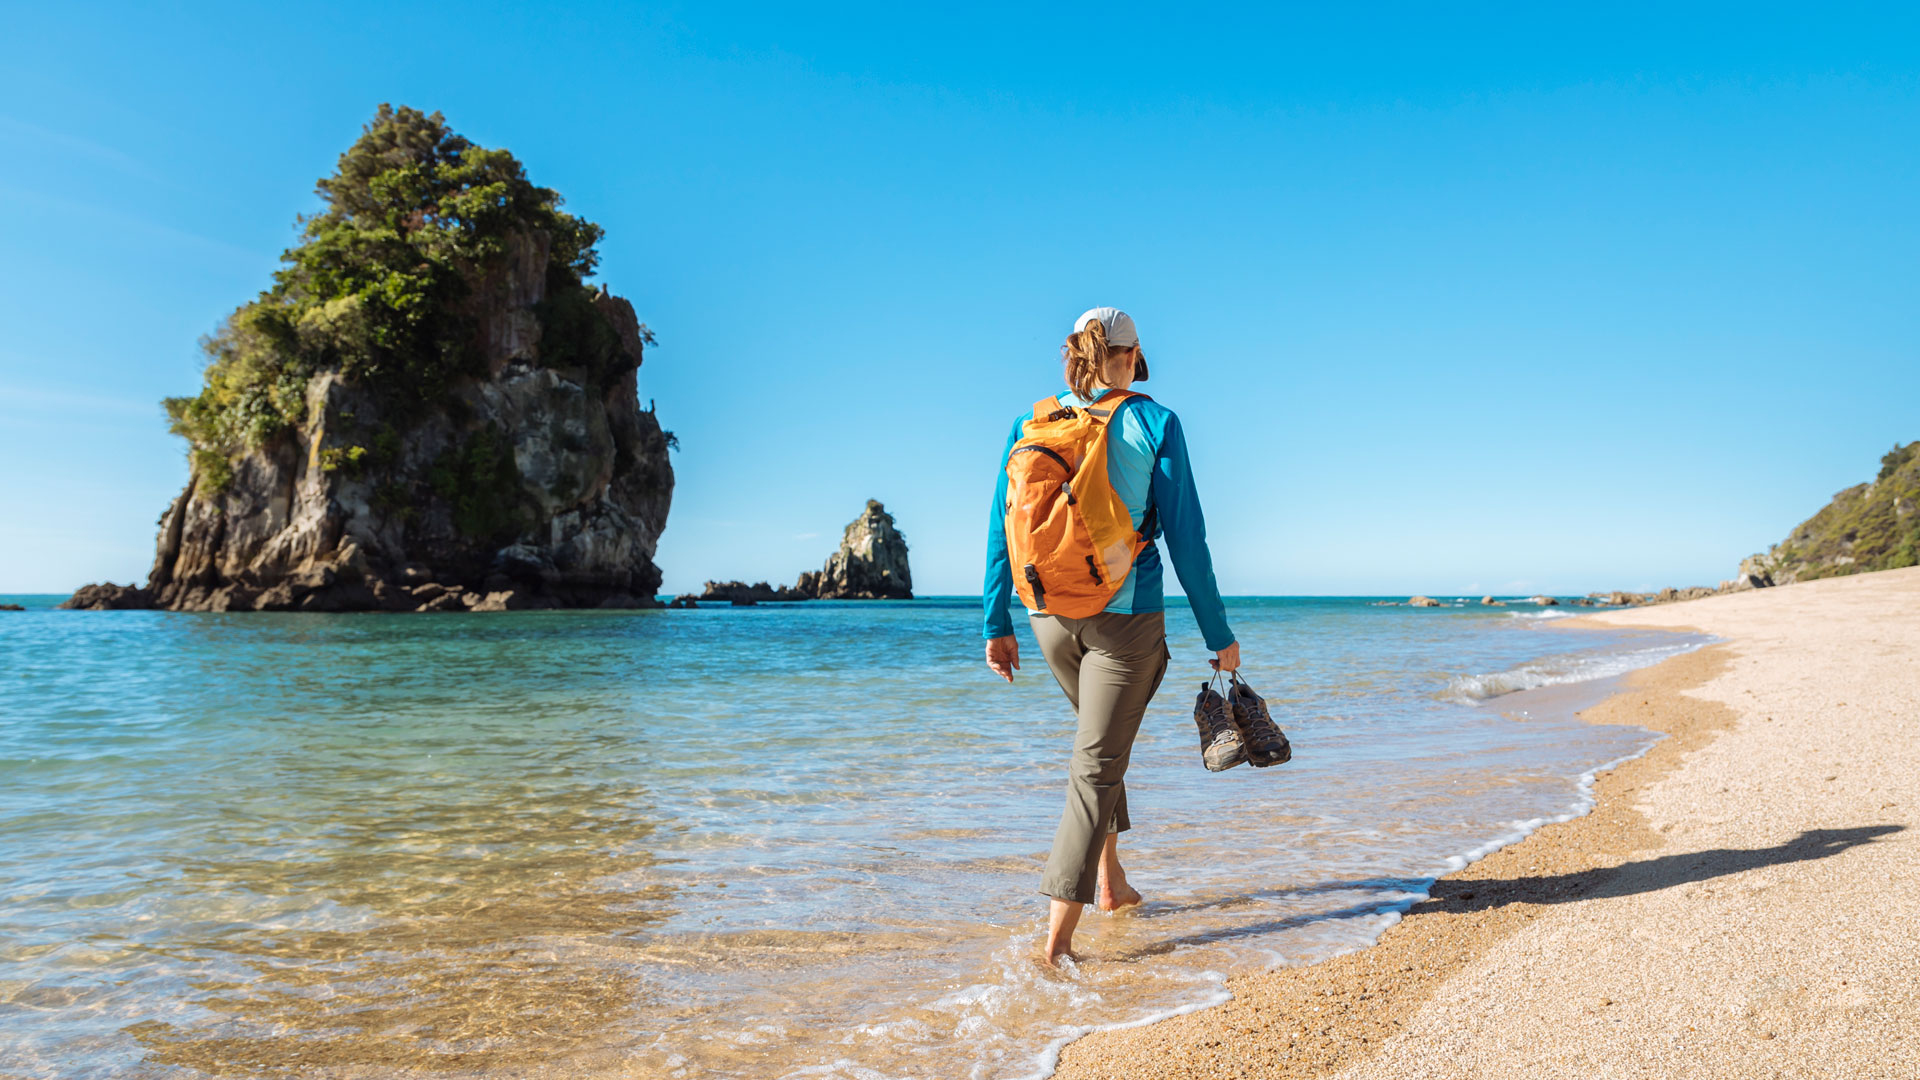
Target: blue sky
<point x="1449" y="300"/>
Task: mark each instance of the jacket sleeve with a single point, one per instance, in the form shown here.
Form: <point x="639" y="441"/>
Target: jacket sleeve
<point x="997" y="593"/>
<point x="1178" y="506"/>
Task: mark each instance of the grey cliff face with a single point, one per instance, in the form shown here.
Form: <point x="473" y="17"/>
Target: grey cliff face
<point x="870" y="565"/>
<point x="542" y="484"/>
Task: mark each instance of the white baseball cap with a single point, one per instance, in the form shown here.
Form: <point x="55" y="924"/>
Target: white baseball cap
<point x="1118" y="324"/>
<point x="1120" y="334"/>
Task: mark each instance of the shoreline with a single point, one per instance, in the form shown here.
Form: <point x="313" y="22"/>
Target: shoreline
<point x="1394" y="1008"/>
<point x="1358" y="999"/>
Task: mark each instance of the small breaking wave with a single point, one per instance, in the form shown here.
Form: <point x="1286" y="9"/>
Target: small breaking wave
<point x="1557" y="671"/>
<point x="1543" y="613"/>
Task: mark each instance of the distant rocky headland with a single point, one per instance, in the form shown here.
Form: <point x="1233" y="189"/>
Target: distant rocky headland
<point x="1867" y="527"/>
<point x="1871" y="526"/>
<point x="428" y="410"/>
<point x="871" y="564"/>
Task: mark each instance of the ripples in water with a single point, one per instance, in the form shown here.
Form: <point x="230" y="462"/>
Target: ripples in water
<point x="759" y="842"/>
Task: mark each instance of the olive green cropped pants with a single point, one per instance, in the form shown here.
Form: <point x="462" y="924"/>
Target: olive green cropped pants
<point x="1109" y="665"/>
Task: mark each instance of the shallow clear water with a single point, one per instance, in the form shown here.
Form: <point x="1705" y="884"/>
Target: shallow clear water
<point x="776" y="841"/>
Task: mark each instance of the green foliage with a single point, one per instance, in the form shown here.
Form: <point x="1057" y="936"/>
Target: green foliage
<point x="1896" y="457"/>
<point x="350" y="459"/>
<point x="574" y="334"/>
<point x="1869" y="527"/>
<point x="386" y="446"/>
<point x="417" y="220"/>
<point x="481" y="482"/>
<point x="214" y="469"/>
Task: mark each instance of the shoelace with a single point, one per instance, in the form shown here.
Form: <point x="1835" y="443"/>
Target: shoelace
<point x="1221" y="714"/>
<point x="1216" y="712"/>
<point x="1259" y="719"/>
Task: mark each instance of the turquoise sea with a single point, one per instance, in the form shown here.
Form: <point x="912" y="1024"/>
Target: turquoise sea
<point x="790" y="840"/>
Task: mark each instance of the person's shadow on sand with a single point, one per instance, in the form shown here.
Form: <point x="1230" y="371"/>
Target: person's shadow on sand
<point x="1646" y="875"/>
<point x="1460" y="896"/>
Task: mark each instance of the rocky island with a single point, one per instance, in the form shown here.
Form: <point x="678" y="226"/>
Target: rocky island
<point x="429" y="410"/>
<point x="871" y="564"/>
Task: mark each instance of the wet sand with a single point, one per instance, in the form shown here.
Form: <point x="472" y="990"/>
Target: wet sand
<point x="1741" y="903"/>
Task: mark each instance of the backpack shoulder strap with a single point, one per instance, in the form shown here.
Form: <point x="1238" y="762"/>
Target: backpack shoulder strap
<point x="1110" y="404"/>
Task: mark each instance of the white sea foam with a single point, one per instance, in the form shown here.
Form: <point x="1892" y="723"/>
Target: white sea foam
<point x="1049" y="1059"/>
<point x="1558" y="671"/>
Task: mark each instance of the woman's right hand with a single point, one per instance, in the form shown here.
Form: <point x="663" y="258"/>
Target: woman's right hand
<point x="1227" y="659"/>
<point x="1003" y="656"/>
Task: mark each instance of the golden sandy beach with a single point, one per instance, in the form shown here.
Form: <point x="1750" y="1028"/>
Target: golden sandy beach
<point x="1741" y="903"/>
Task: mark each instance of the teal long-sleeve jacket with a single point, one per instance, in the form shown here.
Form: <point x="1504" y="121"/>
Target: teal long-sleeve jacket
<point x="1147" y="464"/>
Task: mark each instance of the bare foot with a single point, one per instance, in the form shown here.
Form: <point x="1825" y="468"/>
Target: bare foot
<point x="1111" y="891"/>
<point x="1113" y="899"/>
<point x="1051" y="961"/>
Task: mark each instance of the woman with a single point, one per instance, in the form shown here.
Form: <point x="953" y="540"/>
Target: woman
<point x="1111" y="661"/>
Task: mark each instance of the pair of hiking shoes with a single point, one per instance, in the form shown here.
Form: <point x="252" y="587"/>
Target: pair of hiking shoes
<point x="1236" y="727"/>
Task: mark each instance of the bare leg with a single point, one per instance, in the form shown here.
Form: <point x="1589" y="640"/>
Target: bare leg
<point x="1061" y="919"/>
<point x="1063" y="916"/>
<point x="1114" y="892"/>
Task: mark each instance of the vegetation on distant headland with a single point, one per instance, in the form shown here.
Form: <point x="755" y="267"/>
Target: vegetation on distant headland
<point x="381" y="286"/>
<point x="1873" y="526"/>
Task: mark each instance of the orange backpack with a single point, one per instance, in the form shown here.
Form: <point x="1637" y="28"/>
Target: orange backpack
<point x="1069" y="535"/>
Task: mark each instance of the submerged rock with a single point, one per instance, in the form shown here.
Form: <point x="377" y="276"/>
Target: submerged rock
<point x="870" y="565"/>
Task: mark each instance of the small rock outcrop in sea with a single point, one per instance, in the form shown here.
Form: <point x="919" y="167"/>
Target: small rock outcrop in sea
<point x="11" y="607"/>
<point x="740" y="594"/>
<point x="1546" y="601"/>
<point x="870" y="565"/>
<point x="1488" y="601"/>
<point x="108" y="597"/>
<point x="429" y="410"/>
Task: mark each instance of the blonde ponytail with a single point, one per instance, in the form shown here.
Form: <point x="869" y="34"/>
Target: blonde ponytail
<point x="1085" y="358"/>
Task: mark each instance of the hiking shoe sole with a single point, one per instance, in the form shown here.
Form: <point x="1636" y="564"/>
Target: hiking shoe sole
<point x="1221" y="746"/>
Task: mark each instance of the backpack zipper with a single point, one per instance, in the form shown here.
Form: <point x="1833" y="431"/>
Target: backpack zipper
<point x="1049" y="451"/>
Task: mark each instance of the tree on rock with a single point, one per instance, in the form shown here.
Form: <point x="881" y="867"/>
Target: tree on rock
<point x="429" y="407"/>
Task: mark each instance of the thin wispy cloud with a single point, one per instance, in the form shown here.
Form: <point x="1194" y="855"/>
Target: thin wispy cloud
<point x="79" y="146"/>
<point x="122" y="219"/>
<point x="27" y="399"/>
